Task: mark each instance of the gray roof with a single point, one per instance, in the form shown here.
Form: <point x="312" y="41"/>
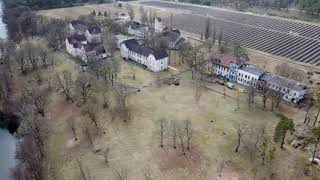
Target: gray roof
<point x="160" y="54"/>
<point x="134" y="46"/>
<point x="283" y="82"/>
<point x="135" y="25"/>
<point x="253" y="70"/>
<point x="171" y="36"/>
<point x="94" y="29"/>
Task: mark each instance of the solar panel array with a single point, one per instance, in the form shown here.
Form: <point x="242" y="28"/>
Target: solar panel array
<point x="295" y="40"/>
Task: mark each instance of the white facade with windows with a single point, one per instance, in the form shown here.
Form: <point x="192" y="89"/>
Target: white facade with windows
<point x="154" y="61"/>
<point x="75" y="49"/>
<point x="249" y="75"/>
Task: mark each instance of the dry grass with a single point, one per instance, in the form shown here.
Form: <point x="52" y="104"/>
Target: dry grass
<point x="135" y="145"/>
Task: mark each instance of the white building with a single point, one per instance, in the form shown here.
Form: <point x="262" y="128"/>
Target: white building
<point x="78" y="47"/>
<point x="78" y="27"/>
<point x="94" y="50"/>
<point x="158" y="25"/>
<point x="249" y="75"/>
<point x="291" y="90"/>
<point x="172" y="38"/>
<point x="153" y="60"/>
<point x="121" y="38"/>
<point x="137" y="29"/>
<point x="75" y="45"/>
<point x="93" y="34"/>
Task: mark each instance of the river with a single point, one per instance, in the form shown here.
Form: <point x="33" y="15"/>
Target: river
<point x="7" y="153"/>
<point x="7" y="141"/>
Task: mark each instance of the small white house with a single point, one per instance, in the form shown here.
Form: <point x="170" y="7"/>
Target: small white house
<point x="93" y="34"/>
<point x="137" y="29"/>
<point x="94" y="50"/>
<point x="158" y="25"/>
<point x="75" y="45"/>
<point x="172" y="38"/>
<point x="249" y="75"/>
<point x="153" y="60"/>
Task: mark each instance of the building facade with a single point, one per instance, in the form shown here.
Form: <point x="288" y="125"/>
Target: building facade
<point x="93" y="34"/>
<point x="153" y="60"/>
<point x="290" y="90"/>
<point x="137" y="29"/>
<point x="249" y="75"/>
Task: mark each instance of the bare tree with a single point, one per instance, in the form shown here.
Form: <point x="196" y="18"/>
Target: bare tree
<point x="21" y="60"/>
<point x="130" y="12"/>
<point x="90" y="110"/>
<point x="86" y="130"/>
<point x="181" y="140"/>
<point x="147" y="175"/>
<point x="198" y="90"/>
<point x="122" y="95"/>
<point x="291" y="72"/>
<point x="240" y="132"/>
<point x="309" y="103"/>
<point x="29" y="159"/>
<point x="95" y="65"/>
<point x="189" y="132"/>
<point x="143" y="15"/>
<point x="84" y="86"/>
<point x="207" y="30"/>
<point x="174" y="133"/>
<point x="264" y="92"/>
<point x="43" y="55"/>
<point x="40" y="100"/>
<point x="111" y="41"/>
<point x="110" y="71"/>
<point x="220" y="37"/>
<point x="250" y="94"/>
<point x="72" y="126"/>
<point x="64" y="83"/>
<point x="122" y="175"/>
<point x="106" y="99"/>
<point x="82" y="171"/>
<point x="106" y="154"/>
<point x="162" y="130"/>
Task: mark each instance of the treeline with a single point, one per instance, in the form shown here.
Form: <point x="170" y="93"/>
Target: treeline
<point x="45" y="4"/>
<point x="311" y="7"/>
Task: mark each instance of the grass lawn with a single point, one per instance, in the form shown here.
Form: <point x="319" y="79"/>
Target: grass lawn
<point x="134" y="145"/>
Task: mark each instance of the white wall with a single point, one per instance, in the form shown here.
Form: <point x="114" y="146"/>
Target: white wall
<point x="158" y="26"/>
<point x="245" y="78"/>
<point x="93" y="38"/>
<point x="150" y="61"/>
<point x="220" y="70"/>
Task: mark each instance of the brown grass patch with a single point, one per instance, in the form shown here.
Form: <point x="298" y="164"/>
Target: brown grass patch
<point x="168" y="158"/>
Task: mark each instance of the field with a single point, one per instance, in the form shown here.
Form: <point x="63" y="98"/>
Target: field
<point x="135" y="145"/>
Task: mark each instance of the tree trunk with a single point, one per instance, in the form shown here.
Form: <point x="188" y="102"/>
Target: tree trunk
<point x="315" y="121"/>
<point x="238" y="145"/>
<point x="282" y="141"/>
<point x="315" y="150"/>
<point x="161" y="143"/>
<point x="305" y="118"/>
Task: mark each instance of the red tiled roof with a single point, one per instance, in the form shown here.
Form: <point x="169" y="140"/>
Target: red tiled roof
<point x="225" y="59"/>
